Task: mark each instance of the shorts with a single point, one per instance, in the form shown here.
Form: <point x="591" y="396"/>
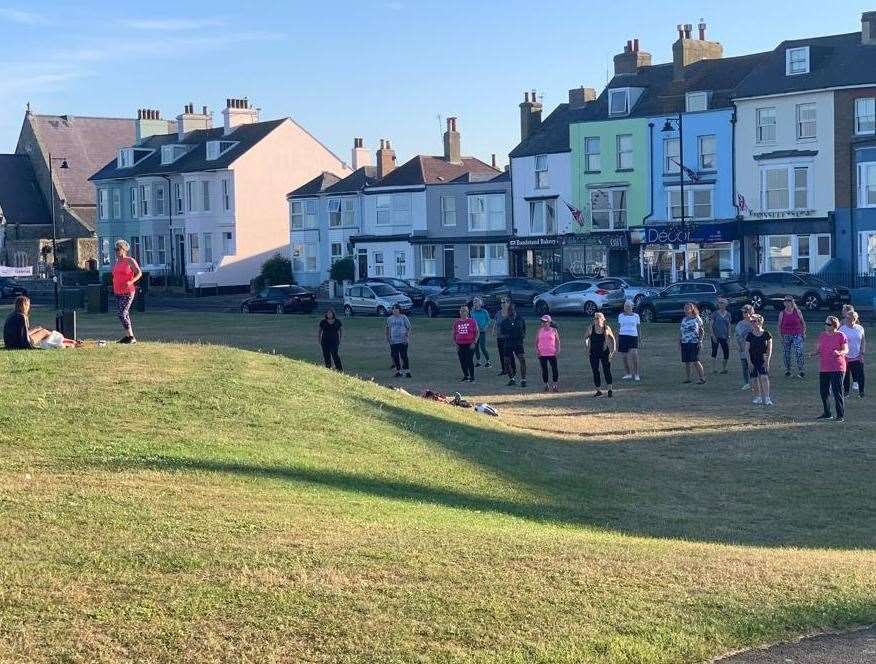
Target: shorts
<point x="759" y="369"/>
<point x="690" y="352"/>
<point x="626" y="343"/>
<point x="514" y="348"/>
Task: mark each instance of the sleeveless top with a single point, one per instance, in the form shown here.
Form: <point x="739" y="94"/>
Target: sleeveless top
<point x="597" y="341"/>
<point x="122" y="274"/>
<point x="792" y="323"/>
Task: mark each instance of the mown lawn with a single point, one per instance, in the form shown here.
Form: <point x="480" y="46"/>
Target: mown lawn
<point x="193" y="502"/>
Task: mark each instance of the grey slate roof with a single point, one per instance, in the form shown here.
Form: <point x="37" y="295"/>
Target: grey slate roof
<point x="553" y="134"/>
<point x="365" y="176"/>
<point x="21" y="201"/>
<point x="426" y="169"/>
<point x="195" y="160"/>
<point x="834" y="61"/>
<point x="315" y="186"/>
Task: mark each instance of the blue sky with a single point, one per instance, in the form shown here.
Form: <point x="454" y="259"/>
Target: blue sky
<point x="371" y="68"/>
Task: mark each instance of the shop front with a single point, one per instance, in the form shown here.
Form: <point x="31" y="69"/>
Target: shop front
<point x="707" y="251"/>
<point x="556" y="258"/>
<point x="789" y="245"/>
<point x="537" y="257"/>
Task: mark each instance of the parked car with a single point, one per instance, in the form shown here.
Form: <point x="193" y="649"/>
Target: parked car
<point x="669" y="303"/>
<point x="11" y="288"/>
<point x="280" y="300"/>
<point x="809" y="292"/>
<point x="524" y="289"/>
<point x="586" y="297"/>
<point x="414" y="292"/>
<point x="374" y="298"/>
<point x="456" y="294"/>
<point x="434" y="285"/>
<point x="635" y="288"/>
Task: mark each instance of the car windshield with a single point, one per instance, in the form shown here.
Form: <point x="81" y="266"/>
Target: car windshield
<point x="382" y="290"/>
<point x="635" y="282"/>
<point x="732" y="288"/>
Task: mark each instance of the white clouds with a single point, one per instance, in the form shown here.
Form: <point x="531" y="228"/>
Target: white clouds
<point x="172" y="24"/>
<point x="21" y="17"/>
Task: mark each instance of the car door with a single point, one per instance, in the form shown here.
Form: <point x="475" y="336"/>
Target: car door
<point x="669" y="301"/>
<point x="569" y="297"/>
<point x="793" y="285"/>
<point x="447" y="300"/>
<point x="260" y="303"/>
<point x="368" y="301"/>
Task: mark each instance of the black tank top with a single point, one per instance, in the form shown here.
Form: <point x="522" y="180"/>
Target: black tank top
<point x="597" y="341"/>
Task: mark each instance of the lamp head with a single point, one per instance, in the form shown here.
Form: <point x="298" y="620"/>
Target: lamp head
<point x="667" y="127"/>
<point x="64" y="164"/>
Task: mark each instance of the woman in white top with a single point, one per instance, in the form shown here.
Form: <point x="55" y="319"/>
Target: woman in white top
<point x="629" y="336"/>
<point x="855" y="359"/>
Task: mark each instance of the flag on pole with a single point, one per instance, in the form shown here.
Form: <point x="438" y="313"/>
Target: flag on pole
<point x="577" y="215"/>
<point x="692" y="175"/>
<point x="741" y="203"/>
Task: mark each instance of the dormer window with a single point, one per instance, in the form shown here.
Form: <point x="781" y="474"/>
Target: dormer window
<point x="128" y="157"/>
<point x="216" y="149"/>
<point x="696" y="101"/>
<point x="619" y="101"/>
<point x="170" y="153"/>
<point x="797" y="61"/>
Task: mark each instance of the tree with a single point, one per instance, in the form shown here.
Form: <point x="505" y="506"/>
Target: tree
<point x="343" y="270"/>
<point x="277" y="270"/>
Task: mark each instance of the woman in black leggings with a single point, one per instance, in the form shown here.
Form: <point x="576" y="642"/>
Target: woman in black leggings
<point x="601" y="345"/>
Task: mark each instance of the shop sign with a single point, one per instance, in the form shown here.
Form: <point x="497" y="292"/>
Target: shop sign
<point x="701" y="233"/>
<point x="16" y="271"/>
<point x="609" y="240"/>
<point x="780" y="214"/>
<point x="534" y="242"/>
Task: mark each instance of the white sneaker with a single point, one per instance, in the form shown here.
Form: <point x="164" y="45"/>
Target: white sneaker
<point x="747" y="386"/>
<point x="757" y="400"/>
<point x="855" y="386"/>
<point x="627" y="377"/>
<point x="768" y="402"/>
<point x="637" y="377"/>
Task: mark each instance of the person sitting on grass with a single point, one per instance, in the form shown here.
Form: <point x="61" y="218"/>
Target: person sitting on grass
<point x="18" y="335"/>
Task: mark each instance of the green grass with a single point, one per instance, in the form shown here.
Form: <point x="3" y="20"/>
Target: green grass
<point x="193" y="502"/>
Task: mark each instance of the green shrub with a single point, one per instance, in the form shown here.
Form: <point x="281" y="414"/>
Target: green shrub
<point x="277" y="270"/>
<point x="343" y="270"/>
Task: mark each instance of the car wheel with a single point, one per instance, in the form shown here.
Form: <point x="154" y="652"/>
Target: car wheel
<point x="590" y="308"/>
<point x="706" y="310"/>
<point x="348" y="311"/>
<point x="541" y="308"/>
<point x="431" y="310"/>
<point x="637" y="301"/>
<point x="757" y="300"/>
<point x="280" y="309"/>
<point x="648" y="315"/>
<point x="811" y="302"/>
<point x="381" y="311"/>
<point x="244" y="308"/>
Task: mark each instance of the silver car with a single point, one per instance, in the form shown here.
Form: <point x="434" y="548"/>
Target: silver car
<point x="374" y="298"/>
<point x="634" y="288"/>
<point x="582" y="296"/>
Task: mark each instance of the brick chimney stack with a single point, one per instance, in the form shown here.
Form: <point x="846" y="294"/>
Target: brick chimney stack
<point x="687" y="50"/>
<point x="385" y="158"/>
<point x="452" y="143"/>
<point x="361" y="154"/>
<point x="530" y="115"/>
<point x="868" y="28"/>
<point x="188" y="120"/>
<point x="631" y="59"/>
<point x="580" y="97"/>
<point x="149" y="123"/>
<point x="238" y="112"/>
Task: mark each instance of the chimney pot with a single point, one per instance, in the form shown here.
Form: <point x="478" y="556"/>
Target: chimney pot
<point x="702" y="27"/>
<point x="526" y="97"/>
<point x="688" y="28"/>
<point x="533" y="97"/>
<point x="493" y="161"/>
<point x="636" y="45"/>
<point x="388" y="146"/>
<point x="629" y="47"/>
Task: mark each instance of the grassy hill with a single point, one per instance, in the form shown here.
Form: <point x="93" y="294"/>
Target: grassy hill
<point x="166" y="503"/>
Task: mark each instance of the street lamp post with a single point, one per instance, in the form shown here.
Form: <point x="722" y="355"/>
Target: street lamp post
<point x="63" y="166"/>
<point x="668" y="128"/>
<point x="170" y="203"/>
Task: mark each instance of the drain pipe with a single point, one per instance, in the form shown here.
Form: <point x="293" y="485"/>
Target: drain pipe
<point x="853" y="236"/>
<point x="740" y="225"/>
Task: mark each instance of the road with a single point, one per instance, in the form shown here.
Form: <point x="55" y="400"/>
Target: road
<point x="853" y="648"/>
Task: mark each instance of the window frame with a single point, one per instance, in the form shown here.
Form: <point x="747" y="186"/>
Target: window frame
<point x="448" y="213"/>
<point x="701" y="153"/>
<point x="626" y="105"/>
<point x="701" y="94"/>
<point x="760" y="127"/>
<point x="116" y="203"/>
<point x="790" y="60"/>
<point x="800" y="123"/>
<point x="544" y="204"/>
<point x="870" y="101"/>
<point x="611" y="209"/>
<point x="542" y="172"/>
<point x="619" y="139"/>
<point x="673" y="195"/>
<point x="103" y="204"/>
<point x="493" y="217"/>
<point x="670" y="167"/>
<point x="194" y="249"/>
<point x="792" y="186"/>
<point x="590" y="155"/>
<point x="863" y="170"/>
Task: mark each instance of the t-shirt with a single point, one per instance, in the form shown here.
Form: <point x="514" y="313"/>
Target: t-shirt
<point x="482" y="317"/>
<point x="758" y="345"/>
<point x="720" y="324"/>
<point x="498" y="322"/>
<point x="855" y="335"/>
<point x="546" y="341"/>
<point x="464" y="330"/>
<point x="15" y="334"/>
<point x="513" y="328"/>
<point x="628" y="325"/>
<point x="691" y="329"/>
<point x="743" y="329"/>
<point x="828" y="361"/>
<point x="399" y="329"/>
<point x="331" y="331"/>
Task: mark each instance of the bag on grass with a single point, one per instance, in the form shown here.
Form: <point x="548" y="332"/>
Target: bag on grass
<point x="54" y="341"/>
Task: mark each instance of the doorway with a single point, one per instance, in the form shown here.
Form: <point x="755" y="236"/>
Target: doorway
<point x="180" y="265"/>
<point x="362" y="264"/>
<point x="449" y="261"/>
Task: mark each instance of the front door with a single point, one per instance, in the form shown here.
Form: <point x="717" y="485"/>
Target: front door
<point x="180" y="264"/>
<point x="362" y="264"/>
<point x="680" y="272"/>
<point x="449" y="262"/>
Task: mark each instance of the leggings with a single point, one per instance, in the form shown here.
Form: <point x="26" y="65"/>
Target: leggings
<point x="854" y="374"/>
<point x="746" y="371"/>
<point x="330" y="355"/>
<point x="832" y="381"/>
<point x="500" y="346"/>
<point x="123" y="308"/>
<point x="481" y="348"/>
<point x="399" y="353"/>
<point x="466" y="359"/>
<point x="794" y="341"/>
<point x="552" y="361"/>
<point x="595" y="361"/>
<point x="723" y="345"/>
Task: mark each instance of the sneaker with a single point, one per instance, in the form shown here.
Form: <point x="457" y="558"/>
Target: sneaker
<point x="598" y="393"/>
<point x="787" y="374"/>
<point x="125" y="339"/>
<point x="464" y="379"/>
<point x="824" y="416"/>
<point x="841" y="419"/>
<point x="471" y="379"/>
<point x="855" y="386"/>
<point x="610" y="394"/>
<point x="701" y="381"/>
<point x="556" y="388"/>
<point x="747" y="386"/>
<point x="523" y="383"/>
<point x="477" y="364"/>
<point x="757" y="400"/>
<point x="487" y="365"/>
<point x="131" y="340"/>
<point x="398" y="374"/>
<point x="512" y="382"/>
<point x="768" y="402"/>
<point x="801" y="375"/>
<point x="627" y="377"/>
<point x="546" y="388"/>
<point x="636" y="377"/>
<point x="407" y="374"/>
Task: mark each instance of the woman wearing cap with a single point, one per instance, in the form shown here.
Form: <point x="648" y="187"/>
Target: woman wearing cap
<point x="547" y="347"/>
<point x="629" y="335"/>
<point x="601" y="345"/>
<point x="792" y="327"/>
<point x="833" y="347"/>
<point x="126" y="274"/>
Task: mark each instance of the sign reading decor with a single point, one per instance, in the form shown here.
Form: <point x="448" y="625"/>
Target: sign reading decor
<point x="701" y="233"/>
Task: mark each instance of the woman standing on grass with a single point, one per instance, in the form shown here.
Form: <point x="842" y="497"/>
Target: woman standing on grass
<point x="126" y="274"/>
<point x="629" y="336"/>
<point x="501" y="315"/>
<point x="854" y="376"/>
<point x="792" y="327"/>
<point x="547" y="347"/>
<point x="833" y="347"/>
<point x="465" y="336"/>
<point x="514" y="330"/>
<point x="719" y="333"/>
<point x="743" y="329"/>
<point x="330" y="339"/>
<point x="759" y="349"/>
<point x="398" y="335"/>
<point x="690" y="339"/>
<point x="482" y="318"/>
<point x="601" y="346"/>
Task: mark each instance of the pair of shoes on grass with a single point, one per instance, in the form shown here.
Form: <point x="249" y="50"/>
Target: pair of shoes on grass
<point x="127" y="339"/>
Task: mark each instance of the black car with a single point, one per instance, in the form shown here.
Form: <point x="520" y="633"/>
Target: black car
<point x="434" y="285"/>
<point x="669" y="303"/>
<point x="524" y="289"/>
<point x="280" y="300"/>
<point x="416" y="294"/>
<point x="456" y="294"/>
<point x="808" y="291"/>
<point x="11" y="288"/>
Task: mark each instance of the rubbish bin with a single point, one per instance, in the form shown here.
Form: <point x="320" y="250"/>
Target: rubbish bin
<point x="65" y="323"/>
<point x="140" y="301"/>
<point x="72" y="298"/>
<point x="97" y="299"/>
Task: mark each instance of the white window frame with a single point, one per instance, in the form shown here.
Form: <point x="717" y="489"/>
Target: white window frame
<point x="335" y="256"/>
<point x="190" y="196"/>
<point x="194" y="249"/>
<point x="428" y="254"/>
<point x="228" y="248"/>
<point x="792" y="187"/>
<point x="334" y="213"/>
<point x="216" y="149"/>
<point x="621" y="153"/>
<point x="766" y="131"/>
<point x="132" y="204"/>
<point x="378" y="264"/>
<point x="161" y="249"/>
<point x="542" y="175"/>
<point x="806" y="129"/>
<point x="617" y="215"/>
<point x="117" y="203"/>
<point x="477" y="260"/>
<point x="866" y="266"/>
<point x="305" y="214"/>
<point x="865" y="112"/>
<point x="486" y="212"/>
<point x="348" y="211"/>
<point x="816" y="260"/>
<point x="692" y="205"/>
<point x="158" y="203"/>
<point x="401" y="209"/>
<point x="448" y="211"/>
<point x="148" y="251"/>
<point x="615" y="93"/>
<point x="125" y="158"/>
<point x="103" y="204"/>
<point x="170" y="153"/>
<point x="695" y="102"/>
<point x="208" y="247"/>
<point x="135" y="248"/>
<point x="794" y="66"/>
<point x="545" y="228"/>
<point x="401" y="264"/>
<point x="592" y="158"/>
<point x="305" y="257"/>
<point x="179" y="198"/>
<point x="145" y="200"/>
<point x="866" y="191"/>
<point x="206" y="197"/>
<point x="671" y="158"/>
<point x="701" y="153"/>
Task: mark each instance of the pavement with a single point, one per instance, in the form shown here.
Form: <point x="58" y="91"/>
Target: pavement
<point x="858" y="647"/>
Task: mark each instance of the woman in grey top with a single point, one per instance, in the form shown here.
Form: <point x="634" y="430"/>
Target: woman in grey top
<point x="743" y="329"/>
<point x="398" y="334"/>
<point x="719" y="327"/>
<point x="501" y="315"/>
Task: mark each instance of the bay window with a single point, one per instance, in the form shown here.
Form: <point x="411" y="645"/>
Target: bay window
<point x="148" y="252"/>
<point x="304" y="257"/>
<point x="378" y="263"/>
<point x="401" y="264"/>
<point x="194" y="248"/>
<point x="428" y="254"/>
<point x="865" y="115"/>
<point x="348" y="211"/>
<point x="117" y="204"/>
<point x="487" y="260"/>
<point x="592" y="157"/>
<point x="867" y="184"/>
<point x="784" y="186"/>
<point x="795" y="253"/>
<point x="608" y="209"/>
<point x="486" y="212"/>
<point x="697" y="204"/>
<point x="542" y="217"/>
<point x="541" y="172"/>
<point x="177" y="189"/>
<point x="159" y="200"/>
<point x="161" y="249"/>
<point x="103" y="204"/>
<point x="145" y="196"/>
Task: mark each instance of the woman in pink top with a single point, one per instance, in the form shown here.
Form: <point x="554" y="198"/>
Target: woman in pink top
<point x="792" y="327"/>
<point x="833" y="347"/>
<point x="547" y="347"/>
<point x="126" y="274"/>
